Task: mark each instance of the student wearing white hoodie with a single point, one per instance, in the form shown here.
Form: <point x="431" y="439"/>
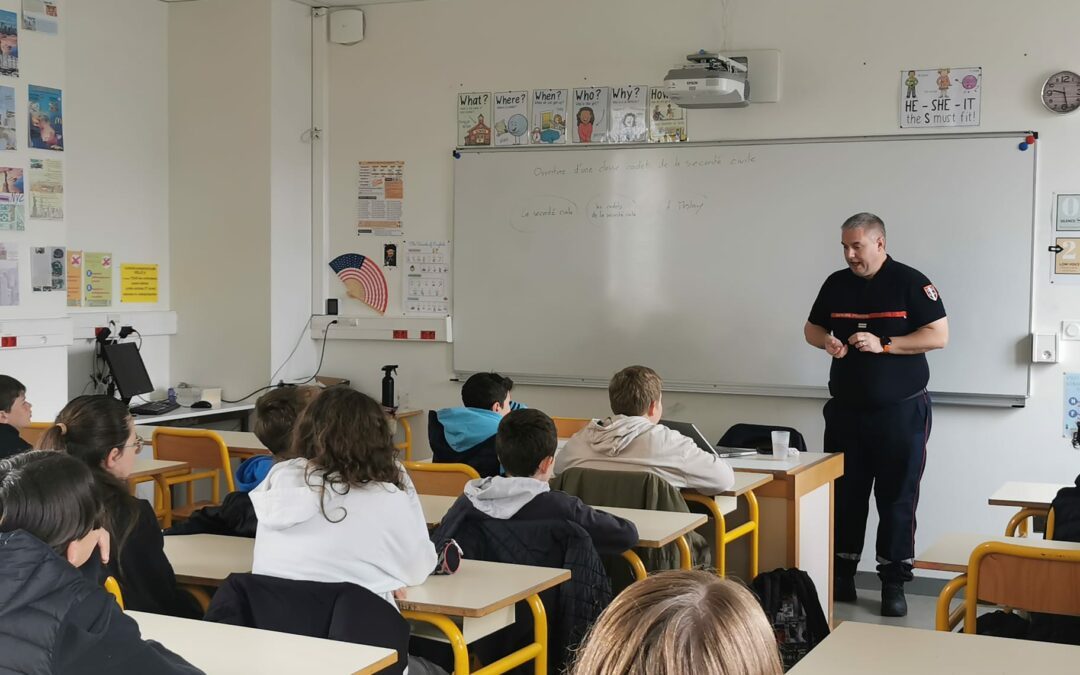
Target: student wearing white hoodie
<point x="633" y="440"/>
<point x="344" y="510"/>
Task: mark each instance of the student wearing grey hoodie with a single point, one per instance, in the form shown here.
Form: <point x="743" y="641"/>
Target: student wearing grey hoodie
<point x="633" y="440"/>
<point x="525" y="443"/>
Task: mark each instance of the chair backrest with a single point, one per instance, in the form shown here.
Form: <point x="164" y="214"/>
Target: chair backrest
<point x="568" y="426"/>
<point x="625" y="489"/>
<point x="201" y="448"/>
<point x="447" y="480"/>
<point x="1033" y="578"/>
<point x="113" y="588"/>
<point x="759" y="437"/>
<point x="36" y="430"/>
<point x="333" y="611"/>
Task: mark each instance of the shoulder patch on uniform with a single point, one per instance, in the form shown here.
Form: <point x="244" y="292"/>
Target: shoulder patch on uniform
<point x="930" y="291"/>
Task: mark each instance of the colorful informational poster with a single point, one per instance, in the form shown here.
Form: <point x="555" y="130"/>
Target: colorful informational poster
<point x="628" y="122"/>
<point x="12" y="199"/>
<point x="9" y="44"/>
<point x="426" y="291"/>
<point x="138" y="283"/>
<point x="47" y="268"/>
<point x="74" y="278"/>
<point x="46" y="189"/>
<point x="9" y="274"/>
<point x="474" y="119"/>
<point x="940" y="97"/>
<point x="8" y="125"/>
<point x="46" y="113"/>
<point x="97" y="279"/>
<point x="667" y="121"/>
<point x="1067" y="258"/>
<point x="42" y="16"/>
<point x="511" y="118"/>
<point x="381" y="196"/>
<point x="550" y="108"/>
<point x="592" y="114"/>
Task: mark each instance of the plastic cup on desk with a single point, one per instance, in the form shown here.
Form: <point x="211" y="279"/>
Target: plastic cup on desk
<point x="780" y="442"/>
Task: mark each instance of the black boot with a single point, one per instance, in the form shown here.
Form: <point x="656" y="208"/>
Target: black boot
<point x="843" y="589"/>
<point x="893" y="602"/>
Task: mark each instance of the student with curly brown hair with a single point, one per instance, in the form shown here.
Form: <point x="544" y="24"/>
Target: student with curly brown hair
<point x="681" y="623"/>
<point x="343" y="510"/>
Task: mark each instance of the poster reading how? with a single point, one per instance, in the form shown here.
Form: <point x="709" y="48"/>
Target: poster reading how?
<point x="941" y="97"/>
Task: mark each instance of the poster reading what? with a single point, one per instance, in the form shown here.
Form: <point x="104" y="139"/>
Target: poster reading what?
<point x="474" y="119"/>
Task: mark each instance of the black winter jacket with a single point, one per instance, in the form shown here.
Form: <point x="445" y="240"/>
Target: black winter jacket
<point x="235" y="517"/>
<point x="53" y="620"/>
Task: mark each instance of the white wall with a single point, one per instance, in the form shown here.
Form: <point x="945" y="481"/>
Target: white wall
<point x="392" y="97"/>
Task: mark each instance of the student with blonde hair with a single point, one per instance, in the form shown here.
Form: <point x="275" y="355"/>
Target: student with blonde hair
<point x="681" y="623"/>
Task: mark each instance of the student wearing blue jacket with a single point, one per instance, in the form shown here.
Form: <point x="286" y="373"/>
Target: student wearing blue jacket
<point x="467" y="435"/>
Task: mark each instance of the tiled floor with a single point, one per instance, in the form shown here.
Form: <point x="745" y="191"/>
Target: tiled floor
<point x="868" y="610"/>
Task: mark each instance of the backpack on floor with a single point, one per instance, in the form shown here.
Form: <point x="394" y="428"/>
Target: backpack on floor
<point x="791" y="602"/>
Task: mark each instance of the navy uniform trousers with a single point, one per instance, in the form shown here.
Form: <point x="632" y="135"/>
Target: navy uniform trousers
<point x="884" y="451"/>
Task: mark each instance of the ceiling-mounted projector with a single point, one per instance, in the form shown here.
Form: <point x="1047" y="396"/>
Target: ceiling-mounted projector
<point x="709" y="81"/>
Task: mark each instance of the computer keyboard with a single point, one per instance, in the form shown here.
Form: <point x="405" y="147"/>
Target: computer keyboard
<point x="155" y="408"/>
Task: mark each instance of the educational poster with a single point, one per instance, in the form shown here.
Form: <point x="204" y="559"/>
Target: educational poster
<point x="667" y="121"/>
<point x="1067" y="212"/>
<point x="380" y="194"/>
<point x="549" y="110"/>
<point x="8" y="132"/>
<point x="97" y="279"/>
<point x="42" y="16"/>
<point x="9" y="274"/>
<point x="47" y="268"/>
<point x="46" y="189"/>
<point x="941" y="97"/>
<point x="74" y="278"/>
<point x="628" y="114"/>
<point x="12" y="199"/>
<point x="1072" y="403"/>
<point x="592" y="114"/>
<point x="138" y="283"/>
<point x="1067" y="258"/>
<point x="426" y="291"/>
<point x="9" y="44"/>
<point x="511" y="117"/>
<point x="474" y="119"/>
<point x="46" y="112"/>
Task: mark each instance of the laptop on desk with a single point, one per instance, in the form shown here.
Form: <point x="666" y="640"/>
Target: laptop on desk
<point x="691" y="431"/>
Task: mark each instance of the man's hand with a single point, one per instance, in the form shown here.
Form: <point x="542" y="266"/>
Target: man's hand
<point x="835" y="348"/>
<point x="399" y="594"/>
<point x="866" y="342"/>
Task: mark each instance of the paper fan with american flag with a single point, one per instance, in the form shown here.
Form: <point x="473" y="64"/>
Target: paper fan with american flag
<point x="363" y="280"/>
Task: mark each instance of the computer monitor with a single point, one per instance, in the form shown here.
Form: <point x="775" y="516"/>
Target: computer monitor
<point x="127" y="368"/>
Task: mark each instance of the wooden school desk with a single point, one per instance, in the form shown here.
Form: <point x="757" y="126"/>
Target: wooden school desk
<point x="477" y="601"/>
<point x="206" y="559"/>
<point x="951" y="553"/>
<point x="222" y="649"/>
<point x="796" y="516"/>
<point x="149" y="469"/>
<point x="859" y="648"/>
<point x="227" y="411"/>
<point x="1032" y="499"/>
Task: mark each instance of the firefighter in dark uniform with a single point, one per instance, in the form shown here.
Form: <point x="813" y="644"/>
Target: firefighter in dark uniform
<point x="877" y="319"/>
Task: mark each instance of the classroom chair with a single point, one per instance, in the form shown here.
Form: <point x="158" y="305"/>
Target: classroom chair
<point x="568" y="426"/>
<point x="722" y="536"/>
<point x="333" y="611"/>
<point x="35" y="431"/>
<point x="113" y="588"/>
<point x="447" y="480"/>
<point x="206" y="452"/>
<point x="759" y="437"/>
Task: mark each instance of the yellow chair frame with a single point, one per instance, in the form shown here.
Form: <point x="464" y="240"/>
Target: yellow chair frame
<point x="35" y="431"/>
<point x="723" y="537"/>
<point x="188" y="479"/>
<point x="534" y="651"/>
<point x="439" y="474"/>
<point x="113" y="588"/>
<point x="406" y="445"/>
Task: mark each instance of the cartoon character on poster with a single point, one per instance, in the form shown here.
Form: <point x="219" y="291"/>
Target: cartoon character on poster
<point x="911" y="82"/>
<point x="943" y="83"/>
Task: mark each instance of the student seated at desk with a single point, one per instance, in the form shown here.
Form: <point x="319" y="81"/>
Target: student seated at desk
<point x="681" y="622"/>
<point x="526" y="443"/>
<point x="467" y="435"/>
<point x="276" y="413"/>
<point x="99" y="431"/>
<point x="632" y="439"/>
<point x="52" y="618"/>
<point x="344" y="510"/>
<point x="14" y="416"/>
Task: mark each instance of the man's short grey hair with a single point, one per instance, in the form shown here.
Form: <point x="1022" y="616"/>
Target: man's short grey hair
<point x="864" y="221"/>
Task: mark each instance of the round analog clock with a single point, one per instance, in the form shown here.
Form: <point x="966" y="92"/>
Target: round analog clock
<point x="1061" y="92"/>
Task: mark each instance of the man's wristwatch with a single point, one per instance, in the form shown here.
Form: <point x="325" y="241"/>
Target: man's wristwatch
<point x="886" y="343"/>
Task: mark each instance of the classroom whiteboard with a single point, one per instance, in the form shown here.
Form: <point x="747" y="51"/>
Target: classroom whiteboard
<point x="702" y="261"/>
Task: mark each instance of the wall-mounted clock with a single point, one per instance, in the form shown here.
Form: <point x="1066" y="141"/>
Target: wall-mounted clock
<point x="1061" y="92"/>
